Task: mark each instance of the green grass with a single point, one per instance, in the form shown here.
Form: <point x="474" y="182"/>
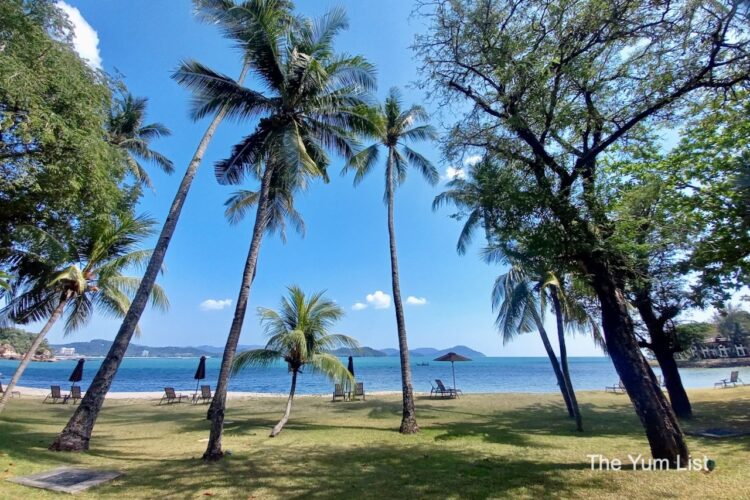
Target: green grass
<point x="519" y="445"/>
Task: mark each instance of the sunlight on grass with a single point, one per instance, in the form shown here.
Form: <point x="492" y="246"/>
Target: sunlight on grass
<point x="479" y="446"/>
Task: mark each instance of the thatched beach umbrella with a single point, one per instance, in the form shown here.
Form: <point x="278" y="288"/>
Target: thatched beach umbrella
<point x="200" y="373"/>
<point x="452" y="357"/>
<point x="77" y="374"/>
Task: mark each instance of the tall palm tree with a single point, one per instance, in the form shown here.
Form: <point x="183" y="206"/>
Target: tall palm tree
<point x="73" y="278"/>
<point x="396" y="128"/>
<point x="125" y="130"/>
<point x="77" y="432"/>
<point x="313" y="100"/>
<point x="299" y="336"/>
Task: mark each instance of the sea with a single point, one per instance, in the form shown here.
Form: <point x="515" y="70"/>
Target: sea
<point x="481" y="375"/>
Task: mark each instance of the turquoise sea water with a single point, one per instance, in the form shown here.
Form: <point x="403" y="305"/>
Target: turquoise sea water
<point x="378" y="374"/>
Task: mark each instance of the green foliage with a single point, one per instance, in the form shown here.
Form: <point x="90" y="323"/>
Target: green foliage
<point x="20" y="340"/>
<point x="299" y="335"/>
<point x="733" y="323"/>
<point x="56" y="166"/>
<point x="689" y="333"/>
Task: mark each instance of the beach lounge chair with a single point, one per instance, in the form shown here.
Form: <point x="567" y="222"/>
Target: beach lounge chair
<point x="434" y="391"/>
<point x="338" y="392"/>
<point x="616" y="389"/>
<point x="12" y="394"/>
<point x="204" y="396"/>
<point x="170" y="396"/>
<point x="444" y="391"/>
<point x="734" y="379"/>
<point x="359" y="390"/>
<point x="54" y="395"/>
<point x="75" y="394"/>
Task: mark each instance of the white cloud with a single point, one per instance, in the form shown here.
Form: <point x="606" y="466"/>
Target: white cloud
<point x="472" y="160"/>
<point x="85" y="38"/>
<point x="359" y="306"/>
<point x="379" y="300"/>
<point x="215" y="305"/>
<point x="416" y="301"/>
<point x="454" y="173"/>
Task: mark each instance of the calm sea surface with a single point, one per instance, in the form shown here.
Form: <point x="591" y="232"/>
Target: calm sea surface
<point x="378" y="374"/>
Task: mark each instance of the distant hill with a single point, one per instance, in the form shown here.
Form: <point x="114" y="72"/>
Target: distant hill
<point x="434" y="353"/>
<point x="220" y="350"/>
<point x="20" y="340"/>
<point x="100" y="347"/>
<point x="362" y="352"/>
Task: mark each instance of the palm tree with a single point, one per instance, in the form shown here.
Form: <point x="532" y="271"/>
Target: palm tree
<point x="313" y="100"/>
<point x="299" y="336"/>
<point x="396" y="128"/>
<point x="77" y="433"/>
<point x="73" y="278"/>
<point x="126" y="131"/>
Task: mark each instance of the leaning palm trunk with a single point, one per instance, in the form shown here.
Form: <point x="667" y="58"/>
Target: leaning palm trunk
<point x="77" y="433"/>
<point x="409" y="417"/>
<point x="574" y="410"/>
<point x="277" y="429"/>
<point x="553" y="361"/>
<point x="218" y="404"/>
<point x="32" y="350"/>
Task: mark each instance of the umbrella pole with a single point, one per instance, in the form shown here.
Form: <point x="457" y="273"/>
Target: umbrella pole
<point x="453" y="369"/>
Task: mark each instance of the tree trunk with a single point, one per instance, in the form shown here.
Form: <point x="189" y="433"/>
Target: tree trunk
<point x="218" y="404"/>
<point x="553" y="361"/>
<point x="409" y="417"/>
<point x="662" y="428"/>
<point x="574" y="409"/>
<point x="77" y="433"/>
<point x="663" y="348"/>
<point x="32" y="350"/>
<point x="277" y="429"/>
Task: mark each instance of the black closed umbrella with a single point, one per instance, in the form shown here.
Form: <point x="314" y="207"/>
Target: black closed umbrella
<point x="350" y="367"/>
<point x="77" y="374"/>
<point x="452" y="357"/>
<point x="200" y="373"/>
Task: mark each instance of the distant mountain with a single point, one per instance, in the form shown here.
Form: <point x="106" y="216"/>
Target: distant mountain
<point x="362" y="352"/>
<point x="220" y="350"/>
<point x="100" y="347"/>
<point x="434" y="353"/>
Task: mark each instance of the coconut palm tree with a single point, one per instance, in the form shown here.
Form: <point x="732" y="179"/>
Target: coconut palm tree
<point x="299" y="336"/>
<point x="125" y="130"/>
<point x="397" y="127"/>
<point x="313" y="100"/>
<point x="76" y="435"/>
<point x="72" y="279"/>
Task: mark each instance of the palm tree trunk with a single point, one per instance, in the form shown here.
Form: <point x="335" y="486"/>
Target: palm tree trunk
<point x="576" y="412"/>
<point x="218" y="404"/>
<point x="77" y="433"/>
<point x="553" y="361"/>
<point x="277" y="429"/>
<point x="32" y="350"/>
<point x="409" y="416"/>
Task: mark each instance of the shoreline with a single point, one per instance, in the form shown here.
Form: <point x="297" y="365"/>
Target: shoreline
<point x="708" y="363"/>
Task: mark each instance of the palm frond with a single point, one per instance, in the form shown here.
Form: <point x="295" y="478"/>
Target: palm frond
<point x="261" y="358"/>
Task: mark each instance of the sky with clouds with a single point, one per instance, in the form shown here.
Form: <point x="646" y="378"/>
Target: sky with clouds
<point x="345" y="250"/>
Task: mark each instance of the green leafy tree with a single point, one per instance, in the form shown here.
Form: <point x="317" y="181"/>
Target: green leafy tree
<point x="549" y="88"/>
<point x="126" y="130"/>
<point x="314" y="101"/>
<point x="690" y="333"/>
<point x="20" y="340"/>
<point x="733" y="323"/>
<point x="71" y="279"/>
<point x="299" y="336"/>
<point x="77" y="432"/>
<point x="397" y="127"/>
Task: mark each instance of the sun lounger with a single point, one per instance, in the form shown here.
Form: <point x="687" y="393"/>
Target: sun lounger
<point x="75" y="394"/>
<point x="733" y="380"/>
<point x="170" y="396"/>
<point x="338" y="392"/>
<point x="55" y="395"/>
<point x="444" y="391"/>
<point x="616" y="389"/>
<point x="434" y="391"/>
<point x="12" y="394"/>
<point x="204" y="396"/>
<point x="359" y="390"/>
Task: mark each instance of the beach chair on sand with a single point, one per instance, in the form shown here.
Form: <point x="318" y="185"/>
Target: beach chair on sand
<point x="444" y="391"/>
<point x="170" y="396"/>
<point x="55" y="395"/>
<point x="203" y="397"/>
<point x="359" y="390"/>
<point x="12" y="394"/>
<point x="75" y="394"/>
<point x="616" y="389"/>
<point x="734" y="379"/>
<point x="434" y="391"/>
<point x="338" y="392"/>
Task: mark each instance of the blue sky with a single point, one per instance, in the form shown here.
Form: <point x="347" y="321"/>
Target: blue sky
<point x="345" y="250"/>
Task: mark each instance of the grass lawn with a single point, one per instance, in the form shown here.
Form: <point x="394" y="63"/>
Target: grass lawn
<point x="519" y="445"/>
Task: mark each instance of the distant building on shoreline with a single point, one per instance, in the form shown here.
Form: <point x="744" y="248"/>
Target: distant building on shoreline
<point x="144" y="353"/>
<point x="67" y="351"/>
